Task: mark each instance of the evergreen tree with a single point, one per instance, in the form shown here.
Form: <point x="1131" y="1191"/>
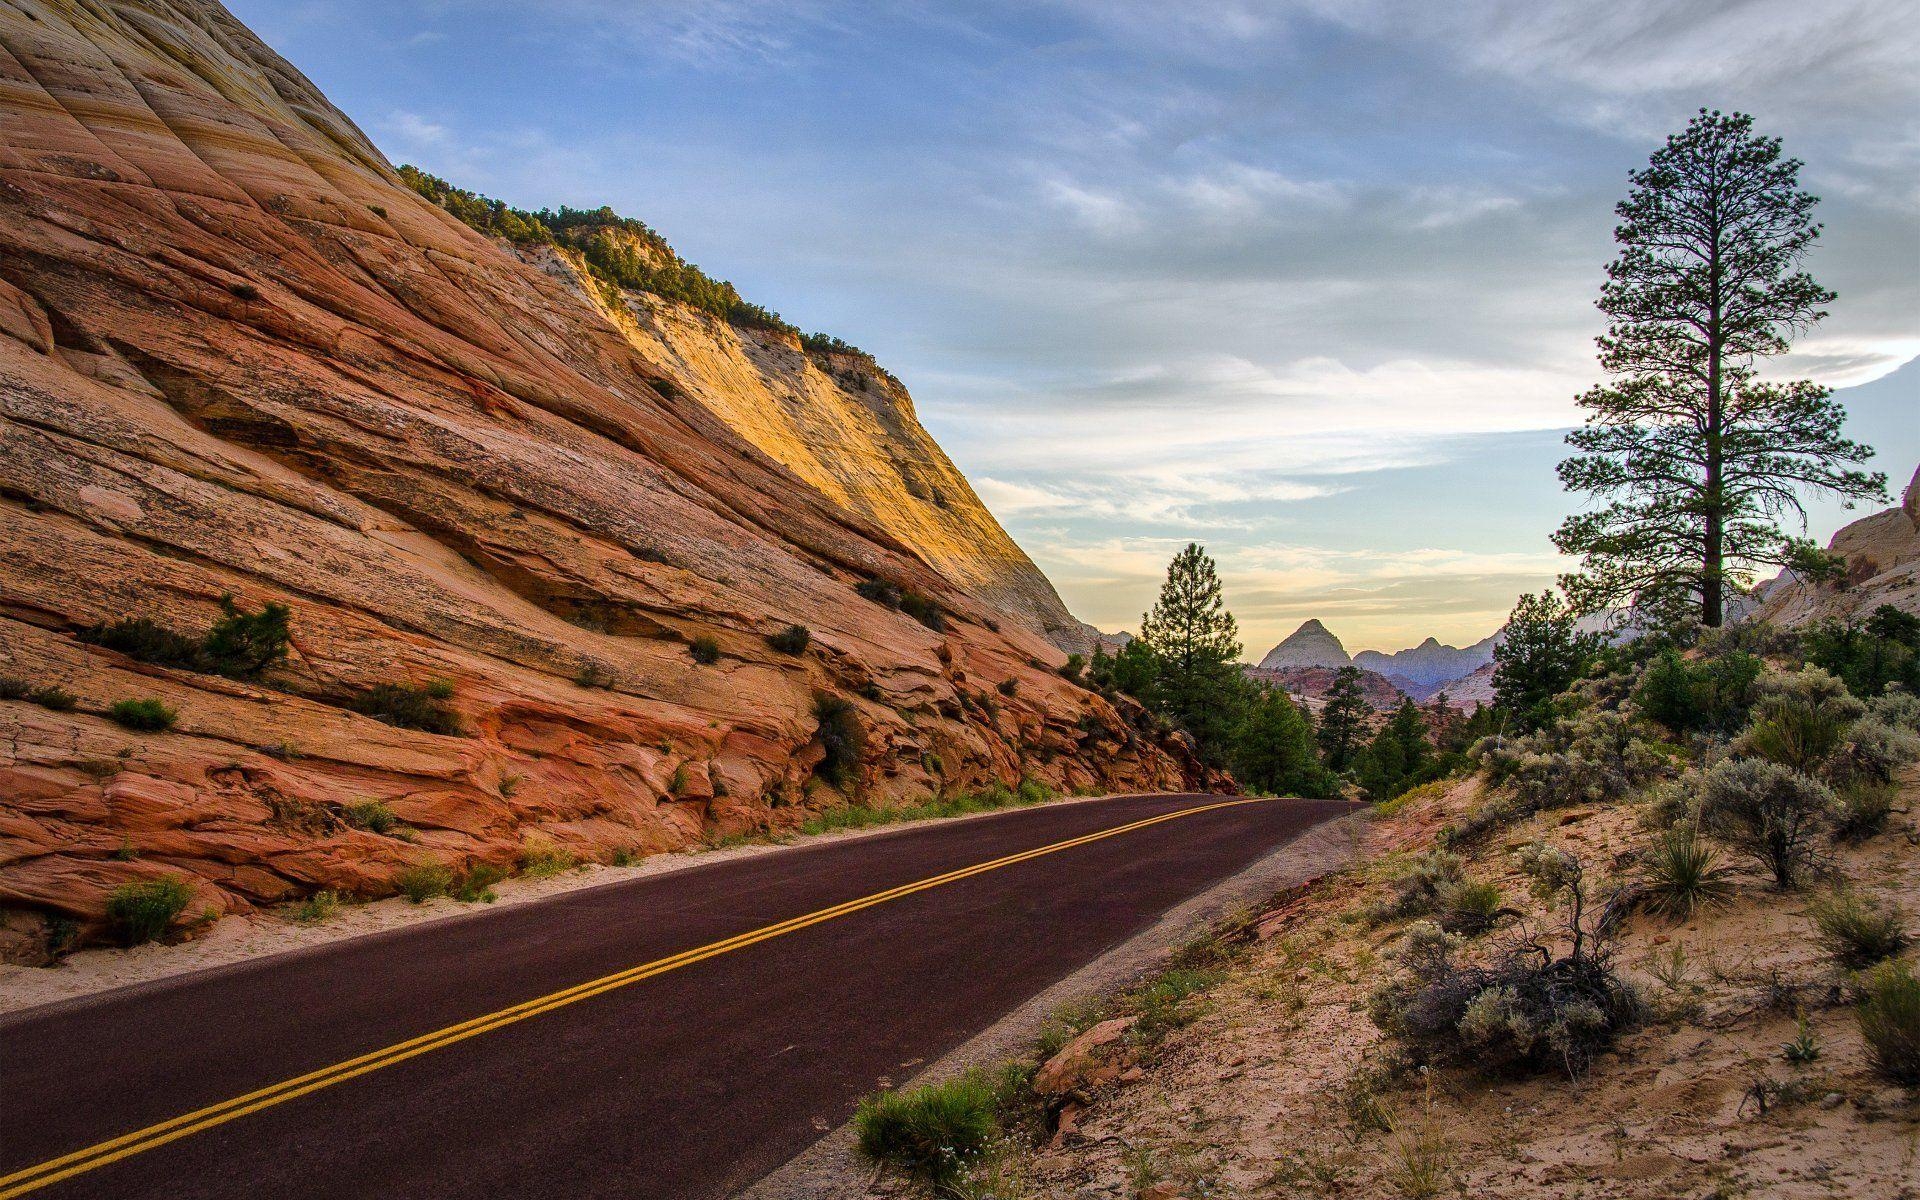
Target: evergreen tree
<point x="1700" y="458"/>
<point x="1194" y="641"/>
<point x="1274" y="748"/>
<point x="1343" y="720"/>
<point x="1398" y="756"/>
<point x="1133" y="670"/>
<point x="1544" y="652"/>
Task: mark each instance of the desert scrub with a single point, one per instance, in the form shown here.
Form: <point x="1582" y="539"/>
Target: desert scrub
<point x="841" y="738"/>
<point x="475" y="885"/>
<point x="1470" y="907"/>
<point x="1595" y="756"/>
<point x="540" y="859"/>
<point x="1861" y="810"/>
<point x="422" y="883"/>
<point x="409" y="707"/>
<point x="54" y="698"/>
<point x="147" y="716"/>
<point x="1765" y="811"/>
<point x="370" y="815"/>
<point x="879" y="591"/>
<point x="1889" y="1017"/>
<point x="1798" y="733"/>
<point x="594" y="674"/>
<point x="142" y="911"/>
<point x="1873" y="752"/>
<point x="705" y="651"/>
<point x="1416" y="891"/>
<point x="1855" y="930"/>
<point x="794" y="639"/>
<point x="12" y="687"/>
<point x="934" y="1132"/>
<point x="1682" y="873"/>
<point x="317" y="907"/>
<point x="1545" y="999"/>
<point x="241" y="644"/>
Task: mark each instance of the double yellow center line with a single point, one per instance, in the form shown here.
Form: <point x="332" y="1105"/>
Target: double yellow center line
<point x="29" y="1179"/>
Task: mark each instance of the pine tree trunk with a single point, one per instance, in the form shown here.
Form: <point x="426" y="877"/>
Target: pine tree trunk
<point x="1716" y="510"/>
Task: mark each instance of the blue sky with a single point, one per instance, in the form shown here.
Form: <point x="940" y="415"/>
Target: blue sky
<point x="1310" y="282"/>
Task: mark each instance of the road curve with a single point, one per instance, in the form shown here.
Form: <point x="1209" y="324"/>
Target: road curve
<point x="675" y="1036"/>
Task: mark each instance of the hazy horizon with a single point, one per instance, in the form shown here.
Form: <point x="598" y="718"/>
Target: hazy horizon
<point x="1308" y="283"/>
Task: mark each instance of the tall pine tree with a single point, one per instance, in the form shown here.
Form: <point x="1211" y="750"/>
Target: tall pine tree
<point x="1343" y="721"/>
<point x="1701" y="460"/>
<point x="1194" y="641"/>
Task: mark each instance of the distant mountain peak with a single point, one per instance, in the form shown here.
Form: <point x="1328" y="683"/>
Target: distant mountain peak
<point x="1311" y="645"/>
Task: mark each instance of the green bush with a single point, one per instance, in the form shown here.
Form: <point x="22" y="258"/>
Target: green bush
<point x="1418" y="887"/>
<point x="54" y="697"/>
<point x="1795" y="734"/>
<point x="371" y="815"/>
<point x="923" y="609"/>
<point x="879" y="591"/>
<point x="1874" y="752"/>
<point x="705" y="650"/>
<point x="424" y="882"/>
<point x="1712" y="695"/>
<point x="1884" y="652"/>
<point x="1765" y="811"/>
<point x="934" y="1132"/>
<point x="1469" y="907"/>
<point x="1861" y="810"/>
<point x="841" y="737"/>
<point x="1889" y="1017"/>
<point x="1683" y="874"/>
<point x="12" y="687"/>
<point x="541" y="859"/>
<point x="143" y="911"/>
<point x="475" y="885"/>
<point x="1856" y="931"/>
<point x="408" y="707"/>
<point x="147" y="640"/>
<point x="794" y="639"/>
<point x="241" y="645"/>
<point x="150" y="716"/>
<point x="317" y="907"/>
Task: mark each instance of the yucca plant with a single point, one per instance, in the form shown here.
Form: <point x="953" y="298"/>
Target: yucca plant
<point x="1684" y="874"/>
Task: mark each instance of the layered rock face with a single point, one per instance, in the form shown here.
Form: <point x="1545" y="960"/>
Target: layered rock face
<point x="238" y="357"/>
<point x="848" y="428"/>
<point x="1311" y="645"/>
<point x="1882" y="555"/>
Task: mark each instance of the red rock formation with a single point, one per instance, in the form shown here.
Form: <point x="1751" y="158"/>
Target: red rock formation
<point x="236" y="356"/>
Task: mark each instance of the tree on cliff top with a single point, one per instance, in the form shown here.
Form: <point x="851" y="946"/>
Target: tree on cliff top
<point x="1700" y="458"/>
<point x="1194" y="641"/>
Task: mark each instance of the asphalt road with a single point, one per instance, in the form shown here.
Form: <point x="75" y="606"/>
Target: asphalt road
<point x="689" y="1079"/>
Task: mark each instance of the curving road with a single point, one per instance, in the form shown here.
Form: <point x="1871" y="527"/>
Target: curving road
<point x="675" y="1036"/>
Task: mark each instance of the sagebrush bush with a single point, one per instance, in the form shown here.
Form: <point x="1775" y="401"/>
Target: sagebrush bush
<point x="1874" y="751"/>
<point x="1765" y="811"/>
<point x="1889" y="1017"/>
<point x="879" y="591"/>
<point x="794" y="639"/>
<point x="1592" y="757"/>
<point x="1469" y="907"/>
<point x="12" y="687"/>
<point x="409" y="707"/>
<point x="934" y="1132"/>
<point x="1861" y="810"/>
<point x="1543" y="1000"/>
<point x="1855" y="930"/>
<point x="148" y="716"/>
<point x="1683" y="873"/>
<point x="317" y="907"/>
<point x="143" y="911"/>
<point x="371" y="815"/>
<point x="923" y="609"/>
<point x="424" y="882"/>
<point x="54" y="697"/>
<point x="542" y="859"/>
<point x="841" y="738"/>
<point x="1795" y="733"/>
<point x="705" y="650"/>
<point x="1417" y="888"/>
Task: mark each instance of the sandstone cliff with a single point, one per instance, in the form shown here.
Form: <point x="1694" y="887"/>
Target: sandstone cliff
<point x="1882" y="554"/>
<point x="238" y="357"/>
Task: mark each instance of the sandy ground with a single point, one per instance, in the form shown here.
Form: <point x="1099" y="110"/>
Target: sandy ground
<point x="1282" y="1086"/>
<point x="256" y="935"/>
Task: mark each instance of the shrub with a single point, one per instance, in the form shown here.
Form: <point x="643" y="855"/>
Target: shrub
<point x="1032" y="791"/>
<point x="923" y="609"/>
<point x="1874" y="751"/>
<point x="1889" y="1016"/>
<point x="1469" y="907"/>
<point x="54" y="697"/>
<point x="423" y="708"/>
<point x="142" y="911"/>
<point x="1683" y="874"/>
<point x="1071" y="669"/>
<point x="1861" y="810"/>
<point x="424" y="882"/>
<point x="1532" y="1006"/>
<point x="475" y="885"/>
<point x="1713" y="694"/>
<point x="370" y="815"/>
<point x="1870" y="658"/>
<point x="542" y="859"/>
<point x="145" y="639"/>
<point x="149" y="716"/>
<point x="241" y="644"/>
<point x="595" y="674"/>
<point x="1593" y="757"/>
<point x="1765" y="811"/>
<point x="705" y="651"/>
<point x="841" y="738"/>
<point x="12" y="687"/>
<point x="1795" y="733"/>
<point x="1856" y="931"/>
<point x="1418" y="888"/>
<point x="794" y="639"/>
<point x="932" y="1132"/>
<point x="1008" y="687"/>
<point x="879" y="591"/>
<point x="317" y="907"/>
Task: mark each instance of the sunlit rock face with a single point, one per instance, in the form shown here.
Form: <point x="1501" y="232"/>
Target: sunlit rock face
<point x="238" y="357"/>
<point x="1882" y="554"/>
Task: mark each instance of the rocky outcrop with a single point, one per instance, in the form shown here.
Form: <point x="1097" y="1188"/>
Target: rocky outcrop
<point x="840" y="422"/>
<point x="1312" y="685"/>
<point x="238" y="357"/>
<point x="1311" y="645"/>
<point x="1882" y="554"/>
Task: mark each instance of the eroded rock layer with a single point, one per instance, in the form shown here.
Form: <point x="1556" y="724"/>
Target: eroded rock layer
<point x="237" y="357"/>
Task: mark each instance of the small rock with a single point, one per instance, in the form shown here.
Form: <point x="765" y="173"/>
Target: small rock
<point x="1832" y="1100"/>
<point x="1081" y="1063"/>
<point x="1068" y="1127"/>
<point x="1133" y="1074"/>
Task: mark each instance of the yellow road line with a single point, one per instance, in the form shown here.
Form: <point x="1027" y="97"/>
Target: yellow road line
<point x="29" y="1179"/>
